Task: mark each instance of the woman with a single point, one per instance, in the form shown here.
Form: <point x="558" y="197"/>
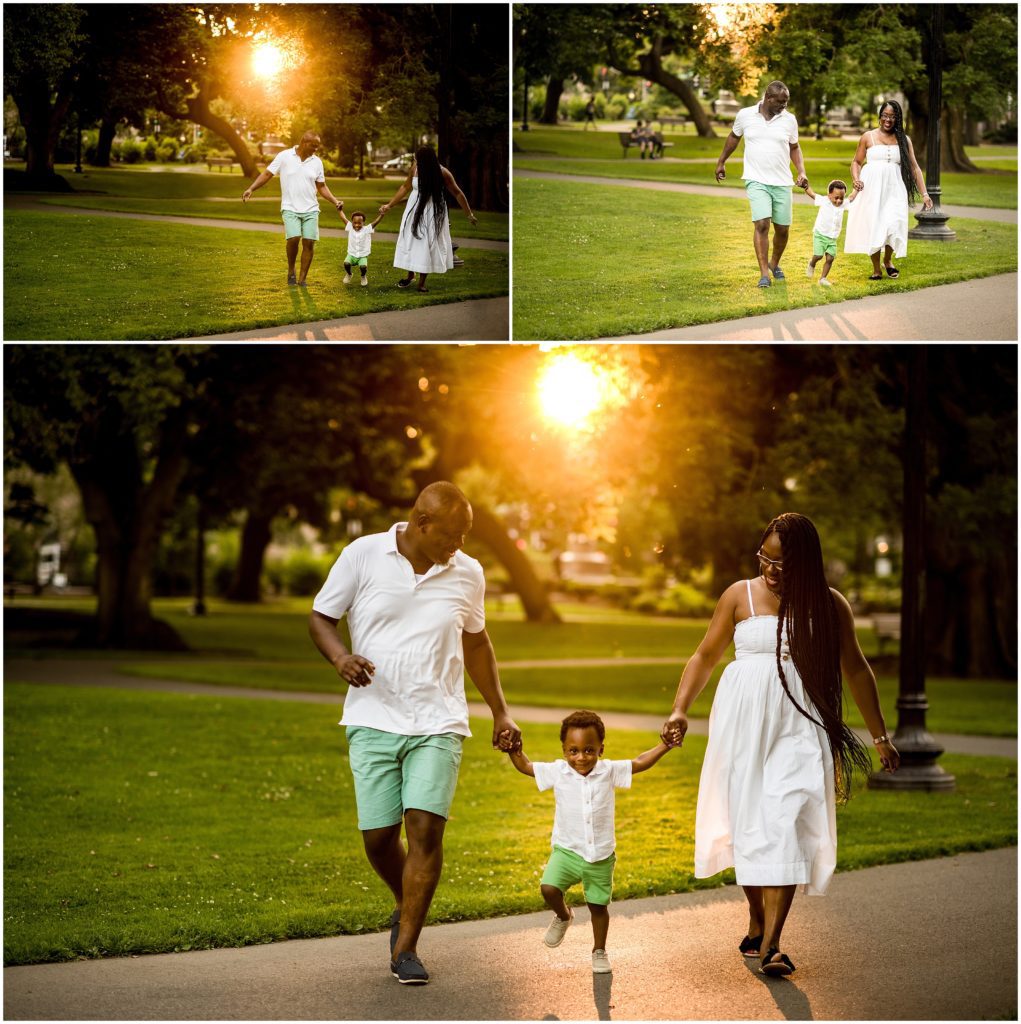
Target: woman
<point x="889" y="180"/>
<point x="779" y="754"/>
<point x="423" y="244"/>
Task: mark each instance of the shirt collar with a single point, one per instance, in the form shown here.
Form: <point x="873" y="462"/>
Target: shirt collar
<point x="601" y="768"/>
<point x="392" y="549"/>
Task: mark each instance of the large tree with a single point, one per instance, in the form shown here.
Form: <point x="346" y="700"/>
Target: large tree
<point x="122" y="418"/>
<point x="43" y="48"/>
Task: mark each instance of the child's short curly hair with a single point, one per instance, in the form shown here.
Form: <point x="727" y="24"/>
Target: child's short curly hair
<point x="835" y="183"/>
<point x="583" y="720"/>
<point x="357" y="213"/>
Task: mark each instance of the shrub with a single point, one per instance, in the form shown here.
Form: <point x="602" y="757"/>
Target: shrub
<point x="1006" y="134"/>
<point x="191" y="155"/>
<point x="149" y="146"/>
<point x="129" y="151"/>
<point x="300" y="573"/>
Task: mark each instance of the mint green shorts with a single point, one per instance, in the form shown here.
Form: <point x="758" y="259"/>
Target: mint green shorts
<point x="823" y="245"/>
<point x="356" y="261"/>
<point x="304" y="224"/>
<point x="565" y="868"/>
<point x="770" y="201"/>
<point x="395" y="773"/>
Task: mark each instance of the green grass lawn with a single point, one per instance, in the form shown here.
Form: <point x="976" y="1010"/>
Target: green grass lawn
<point x="642" y="261"/>
<point x="69" y="276"/>
<point x="142" y="822"/>
<point x="172" y="190"/>
<point x="267" y="646"/>
<point x="565" y="151"/>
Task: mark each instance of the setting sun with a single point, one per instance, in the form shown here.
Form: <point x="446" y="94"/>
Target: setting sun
<point x="570" y="390"/>
<point x="267" y="60"/>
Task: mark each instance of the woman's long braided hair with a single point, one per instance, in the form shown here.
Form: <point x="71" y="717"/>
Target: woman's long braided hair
<point x="430" y="186"/>
<point x="808" y="611"/>
<point x="902" y="145"/>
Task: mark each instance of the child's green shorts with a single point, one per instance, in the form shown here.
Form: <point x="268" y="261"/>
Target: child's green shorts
<point x="565" y="868"/>
<point x="823" y="245"/>
<point x="356" y="261"/>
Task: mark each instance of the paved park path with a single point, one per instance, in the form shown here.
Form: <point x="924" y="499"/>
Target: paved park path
<point x="107" y="672"/>
<point x="927" y="940"/>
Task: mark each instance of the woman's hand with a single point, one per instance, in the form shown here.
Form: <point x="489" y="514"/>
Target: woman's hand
<point x="473" y="219"/>
<point x="385" y="208"/>
<point x="927" y="201"/>
<point x="888" y="756"/>
<point x="674" y="729"/>
<point x="859" y="185"/>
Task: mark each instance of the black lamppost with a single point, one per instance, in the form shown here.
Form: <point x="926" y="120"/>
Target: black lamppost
<point x="199" y="605"/>
<point x="917" y="749"/>
<point x="932" y="224"/>
<point x="524" y="106"/>
<point x="78" y="141"/>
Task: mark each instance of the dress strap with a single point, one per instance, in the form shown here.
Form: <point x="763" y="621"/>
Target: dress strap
<point x="751" y="606"/>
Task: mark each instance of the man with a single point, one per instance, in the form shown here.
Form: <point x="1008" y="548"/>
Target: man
<point x="302" y="181"/>
<point x="414" y="605"/>
<point x="770" y="144"/>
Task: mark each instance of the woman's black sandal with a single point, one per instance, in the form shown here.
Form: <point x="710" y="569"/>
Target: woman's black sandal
<point x="875" y="277"/>
<point x="776" y="968"/>
<point x="750" y="945"/>
<point x="892" y="272"/>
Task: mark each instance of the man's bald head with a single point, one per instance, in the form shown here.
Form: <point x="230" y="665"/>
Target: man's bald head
<point x="777" y="89"/>
<point x="441" y="498"/>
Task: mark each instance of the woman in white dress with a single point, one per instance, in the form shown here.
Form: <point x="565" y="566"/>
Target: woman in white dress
<point x="423" y="243"/>
<point x="779" y="755"/>
<point x="890" y="178"/>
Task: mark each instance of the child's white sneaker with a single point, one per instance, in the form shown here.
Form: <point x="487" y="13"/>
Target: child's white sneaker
<point x="824" y="282"/>
<point x="810" y="269"/>
<point x="347" y="279"/>
<point x="558" y="929"/>
<point x="365" y="280"/>
<point x="601" y="962"/>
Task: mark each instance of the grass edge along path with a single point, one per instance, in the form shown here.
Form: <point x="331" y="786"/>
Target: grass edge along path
<point x="141" y="823"/>
<point x="646" y="261"/>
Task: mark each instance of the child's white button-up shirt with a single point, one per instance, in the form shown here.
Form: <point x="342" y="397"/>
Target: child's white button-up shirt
<point x="830" y="218"/>
<point x="410" y="628"/>
<point x="583" y="820"/>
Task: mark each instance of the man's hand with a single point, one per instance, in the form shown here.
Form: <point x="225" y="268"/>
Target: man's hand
<point x="354" y="669"/>
<point x="246" y="195"/>
<point x="721" y="171"/>
<point x="339" y="204"/>
<point x="506" y="734"/>
<point x="803" y="181"/>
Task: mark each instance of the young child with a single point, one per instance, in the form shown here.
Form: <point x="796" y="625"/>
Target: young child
<point x="583" y="833"/>
<point x="828" y="223"/>
<point x="359" y="243"/>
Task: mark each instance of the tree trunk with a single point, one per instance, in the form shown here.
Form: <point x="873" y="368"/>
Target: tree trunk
<point x="554" y="90"/>
<point x="199" y="112"/>
<point x="651" y="65"/>
<point x="951" y="156"/>
<point x="255" y="538"/>
<point x="127" y="517"/>
<point x="489" y="529"/>
<point x="42" y="121"/>
<point x="107" y="131"/>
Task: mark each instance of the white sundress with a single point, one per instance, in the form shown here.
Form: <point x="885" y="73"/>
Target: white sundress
<point x="879" y="214"/>
<point x="766" y="804"/>
<point x="430" y="253"/>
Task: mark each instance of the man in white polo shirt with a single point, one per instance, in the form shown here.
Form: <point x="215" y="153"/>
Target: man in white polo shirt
<point x="302" y="181"/>
<point x="770" y="134"/>
<point x="415" y="610"/>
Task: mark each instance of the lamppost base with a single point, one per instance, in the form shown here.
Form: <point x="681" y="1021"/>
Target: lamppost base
<point x="929" y="777"/>
<point x="932" y="227"/>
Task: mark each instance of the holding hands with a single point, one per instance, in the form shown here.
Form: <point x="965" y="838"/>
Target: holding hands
<point x="674" y="729"/>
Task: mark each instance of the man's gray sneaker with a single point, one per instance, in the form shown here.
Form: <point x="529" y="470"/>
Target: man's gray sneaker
<point x="408" y="969"/>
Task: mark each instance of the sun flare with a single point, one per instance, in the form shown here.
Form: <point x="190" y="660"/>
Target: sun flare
<point x="570" y="390"/>
<point x="267" y="60"/>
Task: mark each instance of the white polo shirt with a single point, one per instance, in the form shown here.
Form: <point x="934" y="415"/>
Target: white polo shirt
<point x="767" y="145"/>
<point x="359" y="243"/>
<point x="830" y="218"/>
<point x="583" y="819"/>
<point x="410" y="628"/>
<point x="298" y="180"/>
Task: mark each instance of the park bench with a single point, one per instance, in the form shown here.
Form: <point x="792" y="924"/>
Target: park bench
<point x="887" y="627"/>
<point x="220" y="161"/>
<point x="627" y="141"/>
